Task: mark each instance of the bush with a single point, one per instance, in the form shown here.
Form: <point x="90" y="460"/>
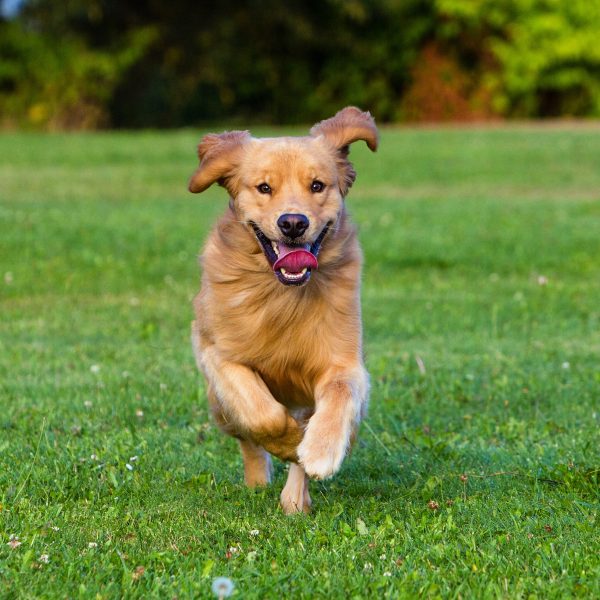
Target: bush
<point x="95" y="63"/>
<point x="534" y="57"/>
<point x="66" y="85"/>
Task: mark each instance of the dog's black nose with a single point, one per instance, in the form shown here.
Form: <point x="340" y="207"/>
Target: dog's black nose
<point x="293" y="226"/>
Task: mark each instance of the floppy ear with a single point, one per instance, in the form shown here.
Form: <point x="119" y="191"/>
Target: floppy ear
<point x="219" y="155"/>
<point x="347" y="126"/>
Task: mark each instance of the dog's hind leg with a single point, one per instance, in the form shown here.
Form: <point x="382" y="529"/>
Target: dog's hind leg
<point x="294" y="496"/>
<point x="257" y="464"/>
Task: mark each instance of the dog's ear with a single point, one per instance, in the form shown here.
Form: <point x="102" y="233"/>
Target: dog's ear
<point x="219" y="156"/>
<point x="347" y="126"/>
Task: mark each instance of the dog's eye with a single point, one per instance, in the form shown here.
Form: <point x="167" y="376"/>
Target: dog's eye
<point x="264" y="188"/>
<point x="317" y="186"/>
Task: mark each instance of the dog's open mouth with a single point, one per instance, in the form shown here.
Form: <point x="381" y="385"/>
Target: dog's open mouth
<point x="292" y="264"/>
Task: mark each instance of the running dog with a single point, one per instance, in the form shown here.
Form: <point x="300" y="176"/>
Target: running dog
<point x="278" y="333"/>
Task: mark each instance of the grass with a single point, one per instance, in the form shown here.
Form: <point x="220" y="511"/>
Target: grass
<point x="482" y="311"/>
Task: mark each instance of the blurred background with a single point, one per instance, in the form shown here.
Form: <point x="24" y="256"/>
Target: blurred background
<point x="88" y="64"/>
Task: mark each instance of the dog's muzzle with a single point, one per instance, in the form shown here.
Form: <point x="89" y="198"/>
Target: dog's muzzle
<point x="291" y="263"/>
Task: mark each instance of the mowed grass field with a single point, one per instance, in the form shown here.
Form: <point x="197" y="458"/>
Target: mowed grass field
<point x="477" y="470"/>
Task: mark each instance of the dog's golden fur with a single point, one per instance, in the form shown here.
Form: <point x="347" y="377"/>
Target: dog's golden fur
<point x="283" y="363"/>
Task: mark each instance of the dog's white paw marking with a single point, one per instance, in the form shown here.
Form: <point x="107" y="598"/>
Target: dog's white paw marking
<point x="321" y="457"/>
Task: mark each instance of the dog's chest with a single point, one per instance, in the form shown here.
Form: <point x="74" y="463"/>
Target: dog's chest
<point x="281" y="336"/>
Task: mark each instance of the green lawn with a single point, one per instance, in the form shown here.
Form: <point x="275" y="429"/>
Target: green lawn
<point x="482" y="322"/>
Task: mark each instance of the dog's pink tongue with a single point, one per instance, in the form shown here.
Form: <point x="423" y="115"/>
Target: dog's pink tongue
<point x="294" y="259"/>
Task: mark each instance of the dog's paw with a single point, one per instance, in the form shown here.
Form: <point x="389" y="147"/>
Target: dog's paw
<point x="295" y="501"/>
<point x="321" y="454"/>
<point x="295" y="497"/>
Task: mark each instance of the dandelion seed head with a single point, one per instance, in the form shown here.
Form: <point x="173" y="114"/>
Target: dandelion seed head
<point x="222" y="587"/>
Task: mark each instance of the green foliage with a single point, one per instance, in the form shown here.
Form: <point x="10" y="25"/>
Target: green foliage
<point x="546" y="52"/>
<point x="89" y="63"/>
<point x="60" y="84"/>
<point x="261" y="60"/>
<point x="482" y="337"/>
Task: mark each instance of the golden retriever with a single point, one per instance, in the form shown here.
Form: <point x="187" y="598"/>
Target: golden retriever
<point x="278" y="330"/>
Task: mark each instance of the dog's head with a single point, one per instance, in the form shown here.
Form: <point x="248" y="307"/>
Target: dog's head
<point x="289" y="191"/>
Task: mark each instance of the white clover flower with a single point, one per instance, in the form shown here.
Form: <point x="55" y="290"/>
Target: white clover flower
<point x="542" y="280"/>
<point x="129" y="467"/>
<point x="95" y="368"/>
<point x="92" y="545"/>
<point x="222" y="587"/>
<point x="254" y="532"/>
<point x="44" y="558"/>
<point x="368" y="566"/>
<point x="139" y="413"/>
<point x="387" y="574"/>
<point x="133" y="458"/>
<point x="13" y="541"/>
<point x="88" y="404"/>
<point x="566" y="365"/>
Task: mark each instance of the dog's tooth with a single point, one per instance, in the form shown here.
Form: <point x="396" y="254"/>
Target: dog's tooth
<point x="283" y="271"/>
<point x="303" y="272"/>
<point x="275" y="247"/>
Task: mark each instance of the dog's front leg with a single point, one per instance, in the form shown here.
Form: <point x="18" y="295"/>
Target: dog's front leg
<point x="248" y="404"/>
<point x="340" y="400"/>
